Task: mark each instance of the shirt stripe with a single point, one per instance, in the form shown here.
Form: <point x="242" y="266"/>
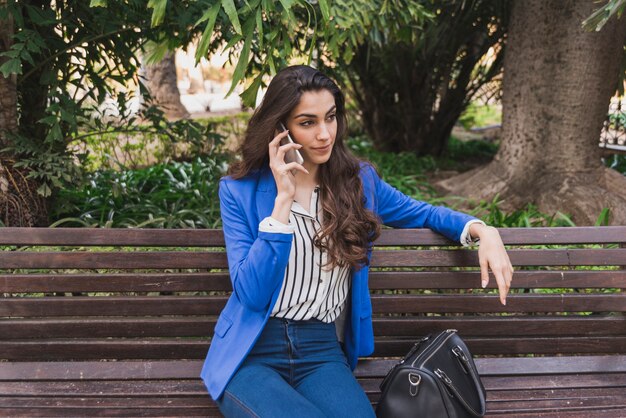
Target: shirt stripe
<point x="310" y="291"/>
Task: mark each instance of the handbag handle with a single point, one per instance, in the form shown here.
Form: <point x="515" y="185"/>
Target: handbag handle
<point x="477" y="384"/>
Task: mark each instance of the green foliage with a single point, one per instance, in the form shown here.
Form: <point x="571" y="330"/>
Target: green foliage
<point x="477" y="116"/>
<point x="412" y="80"/>
<point x="174" y="195"/>
<point x="617" y="162"/>
<point x="527" y="217"/>
<point x="599" y="18"/>
<point x="70" y="59"/>
<point x="404" y="171"/>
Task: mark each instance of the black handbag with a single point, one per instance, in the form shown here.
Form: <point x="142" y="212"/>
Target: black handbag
<point x="437" y="378"/>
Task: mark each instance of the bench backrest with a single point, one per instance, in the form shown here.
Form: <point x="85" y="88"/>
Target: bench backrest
<point x="77" y="294"/>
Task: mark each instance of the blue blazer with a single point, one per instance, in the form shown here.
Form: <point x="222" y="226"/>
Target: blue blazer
<point x="257" y="263"/>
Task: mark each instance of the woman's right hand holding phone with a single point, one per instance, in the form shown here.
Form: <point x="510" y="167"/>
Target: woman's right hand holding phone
<point x="284" y="176"/>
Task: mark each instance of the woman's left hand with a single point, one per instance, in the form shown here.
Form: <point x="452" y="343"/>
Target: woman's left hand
<point x="492" y="255"/>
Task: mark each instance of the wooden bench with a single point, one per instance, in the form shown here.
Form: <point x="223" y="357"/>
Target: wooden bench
<point x="117" y="322"/>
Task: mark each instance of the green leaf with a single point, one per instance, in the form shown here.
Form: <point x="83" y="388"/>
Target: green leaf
<point x="98" y="3"/>
<point x="44" y="190"/>
<point x="259" y="27"/>
<point x="231" y="11"/>
<point x="248" y="97"/>
<point x="13" y="66"/>
<point x="158" y="13"/>
<point x="287" y="4"/>
<point x="325" y="9"/>
<point x="244" y="57"/>
<point x="205" y="41"/>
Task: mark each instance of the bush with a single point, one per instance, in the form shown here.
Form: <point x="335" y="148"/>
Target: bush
<point x="173" y="195"/>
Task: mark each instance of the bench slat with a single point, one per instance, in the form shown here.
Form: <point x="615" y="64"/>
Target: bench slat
<point x="387" y="258"/>
<point x="123" y="282"/>
<point x="116" y="237"/>
<point x="187" y="282"/>
<point x="578" y="371"/>
<point x="475" y="303"/>
<point x="214" y="237"/>
<point x="195" y="348"/>
<point x="114" y="260"/>
<point x="212" y="305"/>
<point x="512" y="236"/>
<point x="494" y="326"/>
<point x="469" y="258"/>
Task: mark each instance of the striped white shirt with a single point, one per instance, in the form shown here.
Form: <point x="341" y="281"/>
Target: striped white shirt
<point x="309" y="290"/>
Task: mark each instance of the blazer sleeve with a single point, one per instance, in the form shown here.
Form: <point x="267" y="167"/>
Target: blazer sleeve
<point x="398" y="210"/>
<point x="256" y="259"/>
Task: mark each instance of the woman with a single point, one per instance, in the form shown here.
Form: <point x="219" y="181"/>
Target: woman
<point x="298" y="241"/>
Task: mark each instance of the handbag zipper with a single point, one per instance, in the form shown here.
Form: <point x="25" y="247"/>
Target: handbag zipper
<point x="435" y="345"/>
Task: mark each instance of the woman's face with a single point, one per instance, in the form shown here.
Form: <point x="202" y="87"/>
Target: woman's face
<point x="313" y="124"/>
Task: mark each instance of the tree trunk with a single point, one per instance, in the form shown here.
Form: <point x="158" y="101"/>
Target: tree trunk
<point x="161" y="81"/>
<point x="8" y="89"/>
<point x="19" y="203"/>
<point x="558" y="80"/>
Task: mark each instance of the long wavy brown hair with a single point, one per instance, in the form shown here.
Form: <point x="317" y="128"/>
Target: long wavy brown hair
<point x="348" y="227"/>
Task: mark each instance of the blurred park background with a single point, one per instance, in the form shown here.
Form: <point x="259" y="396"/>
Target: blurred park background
<point x="126" y="113"/>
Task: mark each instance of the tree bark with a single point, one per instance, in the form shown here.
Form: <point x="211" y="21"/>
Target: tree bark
<point x="19" y="203"/>
<point x="8" y="89"/>
<point x="558" y="80"/>
<point x="161" y="81"/>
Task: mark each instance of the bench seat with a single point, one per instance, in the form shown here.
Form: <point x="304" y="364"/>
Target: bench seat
<point x="116" y="322"/>
<point x="586" y="386"/>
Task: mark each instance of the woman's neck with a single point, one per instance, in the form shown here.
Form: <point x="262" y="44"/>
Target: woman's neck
<point x="308" y="180"/>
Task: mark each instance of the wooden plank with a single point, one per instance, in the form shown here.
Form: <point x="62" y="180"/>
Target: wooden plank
<point x="212" y="305"/>
<point x="202" y="326"/>
<point x="455" y="303"/>
<point x="500" y="326"/>
<point x="555" y="393"/>
<point x="388" y="258"/>
<point x="393" y="347"/>
<point x="113" y="260"/>
<point x="469" y="258"/>
<point x="590" y="370"/>
<point x="188" y="282"/>
<point x="522" y="279"/>
<point x="110" y="327"/>
<point x="196" y="348"/>
<point x="98" y="370"/>
<point x="101" y="388"/>
<point x="563" y="406"/>
<point x="111" y="349"/>
<point x="135" y="237"/>
<point x="214" y="237"/>
<point x="112" y="306"/>
<point x="595" y="413"/>
<point x="123" y="282"/>
<point x="126" y="410"/>
<point x="512" y="236"/>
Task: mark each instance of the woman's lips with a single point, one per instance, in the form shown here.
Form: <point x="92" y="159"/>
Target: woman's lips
<point x="322" y="150"/>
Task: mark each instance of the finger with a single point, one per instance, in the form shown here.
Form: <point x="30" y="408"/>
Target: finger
<point x="282" y="150"/>
<point x="502" y="287"/>
<point x="295" y="166"/>
<point x="275" y="144"/>
<point x="484" y="273"/>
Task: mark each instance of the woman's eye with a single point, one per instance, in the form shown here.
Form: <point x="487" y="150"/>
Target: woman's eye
<point x="332" y="117"/>
<point x="306" y="123"/>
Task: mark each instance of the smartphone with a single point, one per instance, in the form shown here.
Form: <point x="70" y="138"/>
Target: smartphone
<point x="293" y="154"/>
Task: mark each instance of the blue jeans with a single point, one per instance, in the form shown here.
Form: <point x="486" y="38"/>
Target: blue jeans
<point x="296" y="368"/>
